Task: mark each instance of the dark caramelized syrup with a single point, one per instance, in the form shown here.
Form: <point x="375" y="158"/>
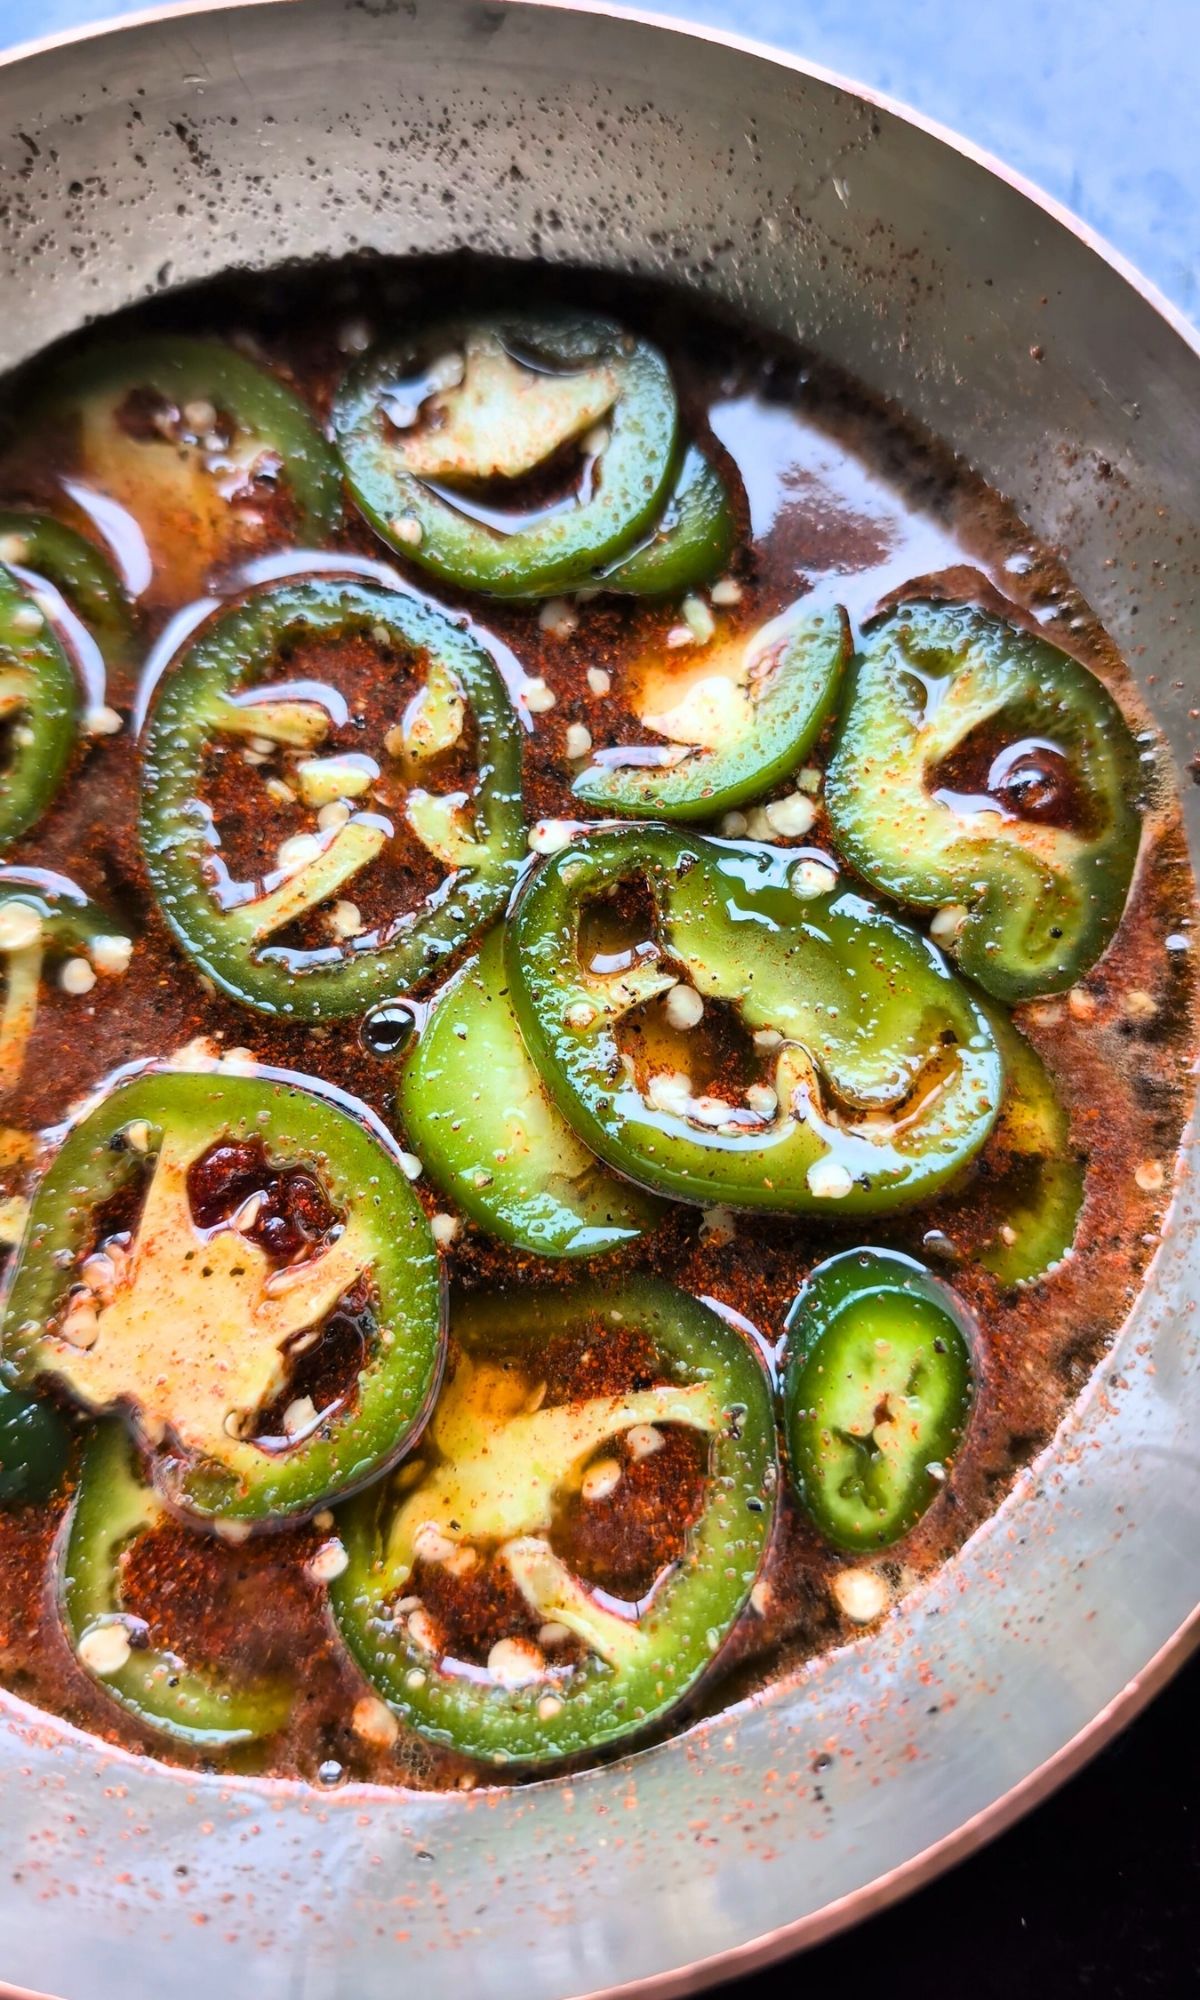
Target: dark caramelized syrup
<point x="843" y="504"/>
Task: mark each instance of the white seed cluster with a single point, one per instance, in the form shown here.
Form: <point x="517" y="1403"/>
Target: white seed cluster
<point x="329" y="1561"/>
<point x="558" y="617"/>
<point x="683" y="1007"/>
<point x="539" y="697"/>
<point x="550" y="836"/>
<point x="76" y="976"/>
<point x="791" y="818"/>
<point x="862" y="1594"/>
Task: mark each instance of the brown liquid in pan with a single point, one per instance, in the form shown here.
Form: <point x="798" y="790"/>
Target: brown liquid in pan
<point x="844" y="503"/>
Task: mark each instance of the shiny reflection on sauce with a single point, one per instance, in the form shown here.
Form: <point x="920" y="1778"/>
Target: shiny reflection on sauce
<point x="971" y="805"/>
<point x="78" y="642"/>
<point x="119" y="531"/>
<point x="512" y="520"/>
<point x="1036" y="775"/>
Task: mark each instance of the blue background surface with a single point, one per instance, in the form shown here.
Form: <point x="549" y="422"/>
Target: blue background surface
<point x="1096" y="100"/>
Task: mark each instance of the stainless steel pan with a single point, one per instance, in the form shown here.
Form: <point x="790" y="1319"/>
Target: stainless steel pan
<point x="160" y="151"/>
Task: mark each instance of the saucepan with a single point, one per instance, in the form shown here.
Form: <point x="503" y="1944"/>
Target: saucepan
<point x="174" y="145"/>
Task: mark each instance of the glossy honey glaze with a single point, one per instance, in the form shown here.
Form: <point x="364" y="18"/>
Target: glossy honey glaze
<point x="840" y="502"/>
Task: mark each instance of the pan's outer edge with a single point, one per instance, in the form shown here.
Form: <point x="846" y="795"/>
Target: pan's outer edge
<point x="1039" y="1784"/>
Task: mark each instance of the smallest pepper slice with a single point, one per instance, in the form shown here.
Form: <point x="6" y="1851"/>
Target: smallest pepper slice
<point x="877" y="1392"/>
<point x="39" y="703"/>
<point x="113" y="1506"/>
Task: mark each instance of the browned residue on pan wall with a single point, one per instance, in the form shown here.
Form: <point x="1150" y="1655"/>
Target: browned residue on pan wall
<point x="842" y="502"/>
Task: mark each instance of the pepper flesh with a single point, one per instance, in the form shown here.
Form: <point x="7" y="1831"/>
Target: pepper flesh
<point x="884" y="1072"/>
<point x="497" y="1470"/>
<point x="485" y="1128"/>
<point x="217" y="687"/>
<point x="45" y="915"/>
<point x="1039" y="900"/>
<point x="757" y="709"/>
<point x="113" y="1506"/>
<point x="76" y="568"/>
<point x="1040" y="1191"/>
<point x="34" y="1447"/>
<point x="176" y="479"/>
<point x="39" y="701"/>
<point x="192" y="1329"/>
<point x="508" y="397"/>
<point x="877" y="1393"/>
<point x="691" y="542"/>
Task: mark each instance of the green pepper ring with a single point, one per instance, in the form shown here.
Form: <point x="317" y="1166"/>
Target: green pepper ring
<point x="1033" y="1127"/>
<point x="746" y="937"/>
<point x="865" y="1322"/>
<point x="182" y="371"/>
<point x="236" y="646"/>
<point x="112" y="1505"/>
<point x="77" y="569"/>
<point x="787" y="720"/>
<point x="465" y="1139"/>
<point x="64" y="921"/>
<point x="690" y="1614"/>
<point x="351" y="1152"/>
<point x="1039" y="904"/>
<point x="691" y="542"/>
<point x="36" y="682"/>
<point x="35" y="1445"/>
<point x="549" y="555"/>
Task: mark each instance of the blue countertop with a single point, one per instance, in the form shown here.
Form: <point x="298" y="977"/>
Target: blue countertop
<point x="1093" y="99"/>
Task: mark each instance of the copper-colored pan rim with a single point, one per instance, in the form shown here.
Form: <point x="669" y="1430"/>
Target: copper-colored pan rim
<point x="1040" y="1783"/>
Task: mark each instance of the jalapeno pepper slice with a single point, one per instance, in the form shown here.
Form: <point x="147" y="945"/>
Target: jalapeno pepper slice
<point x="1031" y="1182"/>
<point x="980" y="769"/>
<point x="35" y="1445"/>
<point x="39" y="709"/>
<point x="45" y="916"/>
<point x="748" y="714"/>
<point x="850" y="1068"/>
<point x="113" y="1506"/>
<point x="192" y="441"/>
<point x="197" y="1319"/>
<point x="500" y="1478"/>
<point x="488" y="1132"/>
<point x="75" y="568"/>
<point x="877" y="1393"/>
<point x="691" y="541"/>
<point x="430" y="423"/>
<point x="219" y="687"/>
